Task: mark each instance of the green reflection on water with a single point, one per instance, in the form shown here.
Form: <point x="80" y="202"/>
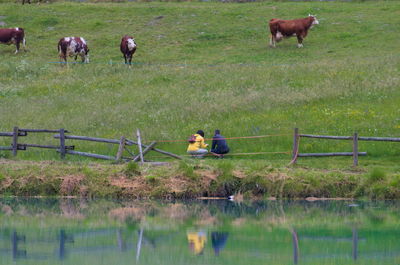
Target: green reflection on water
<point x="73" y="231"/>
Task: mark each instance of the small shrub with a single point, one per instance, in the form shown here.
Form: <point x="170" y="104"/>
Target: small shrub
<point x="2" y="177"/>
<point x="226" y="180"/>
<point x="159" y="192"/>
<point x="187" y="170"/>
<point x="132" y="169"/>
<point x="380" y="191"/>
<point x="395" y="181"/>
<point x="151" y="179"/>
<point x="257" y="184"/>
<point x="377" y="174"/>
<point x="4" y="154"/>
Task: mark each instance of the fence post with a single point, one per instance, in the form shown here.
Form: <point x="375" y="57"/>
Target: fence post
<point x="295" y="145"/>
<point x="139" y="139"/>
<point x="295" y="240"/>
<point x="62" y="143"/>
<point x="15" y="141"/>
<point x="120" y="148"/>
<point x="355" y="243"/>
<point x="355" y="149"/>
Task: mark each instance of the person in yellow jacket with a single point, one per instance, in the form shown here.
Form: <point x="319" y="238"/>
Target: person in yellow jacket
<point x="197" y="146"/>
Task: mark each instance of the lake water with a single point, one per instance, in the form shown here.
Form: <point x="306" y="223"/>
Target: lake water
<point x="73" y="231"/>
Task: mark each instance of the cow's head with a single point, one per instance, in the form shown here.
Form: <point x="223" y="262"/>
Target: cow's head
<point x="314" y="18"/>
<point x="131" y="44"/>
<point x="85" y="54"/>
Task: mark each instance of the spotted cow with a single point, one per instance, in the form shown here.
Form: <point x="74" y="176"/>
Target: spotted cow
<point x="14" y="36"/>
<point x="287" y="28"/>
<point x="128" y="48"/>
<point x="73" y="46"/>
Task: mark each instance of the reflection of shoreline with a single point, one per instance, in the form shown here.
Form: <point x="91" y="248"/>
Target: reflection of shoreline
<point x="204" y="213"/>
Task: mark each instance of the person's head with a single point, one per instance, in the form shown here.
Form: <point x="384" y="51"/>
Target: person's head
<point x="200" y="132"/>
<point x="217" y="132"/>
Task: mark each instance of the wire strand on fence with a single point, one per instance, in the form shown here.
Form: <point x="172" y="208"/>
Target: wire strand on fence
<point x="227" y="138"/>
<point x="207" y="65"/>
<point x="235" y="154"/>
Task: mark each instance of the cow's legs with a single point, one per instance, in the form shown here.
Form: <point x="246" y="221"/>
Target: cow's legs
<point x="130" y="59"/>
<point x="272" y="41"/>
<point x="299" y="41"/>
<point x="126" y="60"/>
<point x="16" y="47"/>
<point x="63" y="58"/>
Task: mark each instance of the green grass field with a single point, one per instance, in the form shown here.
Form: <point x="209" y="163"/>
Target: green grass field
<point x="206" y="66"/>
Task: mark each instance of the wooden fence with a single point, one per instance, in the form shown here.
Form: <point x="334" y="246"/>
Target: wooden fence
<point x="64" y="149"/>
<point x="355" y="138"/>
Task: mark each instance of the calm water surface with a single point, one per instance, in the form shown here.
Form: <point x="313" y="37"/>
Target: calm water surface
<point x="73" y="231"/>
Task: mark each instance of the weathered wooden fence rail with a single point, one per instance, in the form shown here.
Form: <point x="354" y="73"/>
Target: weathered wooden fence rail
<point x="355" y="138"/>
<point x="64" y="149"/>
<point x="19" y="132"/>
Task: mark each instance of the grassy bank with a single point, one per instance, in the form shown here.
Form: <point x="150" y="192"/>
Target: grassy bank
<point x="257" y="180"/>
<point x="197" y="68"/>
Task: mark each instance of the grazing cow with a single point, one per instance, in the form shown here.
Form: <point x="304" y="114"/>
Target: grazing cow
<point x="287" y="28"/>
<point x="128" y="48"/>
<point x="73" y="46"/>
<point x="13" y="36"/>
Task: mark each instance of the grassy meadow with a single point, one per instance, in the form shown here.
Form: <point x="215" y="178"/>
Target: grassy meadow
<point x="207" y="66"/>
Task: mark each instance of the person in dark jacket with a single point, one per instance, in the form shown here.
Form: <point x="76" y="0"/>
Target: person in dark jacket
<point x="219" y="146"/>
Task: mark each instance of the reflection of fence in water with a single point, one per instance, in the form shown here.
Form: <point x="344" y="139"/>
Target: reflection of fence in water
<point x="353" y="250"/>
<point x="63" y="243"/>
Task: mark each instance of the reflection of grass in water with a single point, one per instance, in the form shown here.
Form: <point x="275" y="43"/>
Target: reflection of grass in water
<point x="258" y="232"/>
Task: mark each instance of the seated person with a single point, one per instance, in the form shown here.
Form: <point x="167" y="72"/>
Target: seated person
<point x="197" y="147"/>
<point x="219" y="146"/>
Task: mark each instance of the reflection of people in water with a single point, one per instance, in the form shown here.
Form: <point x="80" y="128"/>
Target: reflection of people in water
<point x="197" y="241"/>
<point x="218" y="240"/>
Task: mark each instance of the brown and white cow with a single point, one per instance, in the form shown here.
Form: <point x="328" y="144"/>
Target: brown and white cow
<point x="287" y="28"/>
<point x="73" y="46"/>
<point x="13" y="36"/>
<point x="128" y="48"/>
